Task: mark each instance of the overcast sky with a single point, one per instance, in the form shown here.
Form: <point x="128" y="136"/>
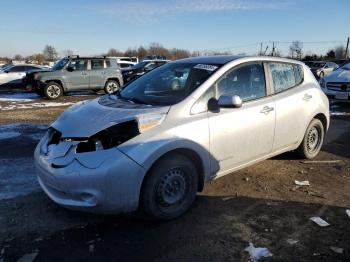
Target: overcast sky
<point x="91" y="27"/>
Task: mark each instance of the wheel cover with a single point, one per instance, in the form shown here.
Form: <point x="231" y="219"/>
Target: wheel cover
<point x="53" y="91"/>
<point x="313" y="139"/>
<point x="111" y="87"/>
<point x="172" y="188"/>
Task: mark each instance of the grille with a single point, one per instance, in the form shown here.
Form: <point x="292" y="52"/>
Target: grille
<point x="338" y="86"/>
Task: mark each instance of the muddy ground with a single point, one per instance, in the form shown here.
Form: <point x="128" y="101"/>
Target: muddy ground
<point x="260" y="204"/>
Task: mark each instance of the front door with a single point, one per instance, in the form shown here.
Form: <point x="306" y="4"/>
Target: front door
<point x="241" y="135"/>
<point x="79" y="77"/>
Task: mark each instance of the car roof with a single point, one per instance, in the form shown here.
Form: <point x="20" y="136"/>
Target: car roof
<point x="216" y="59"/>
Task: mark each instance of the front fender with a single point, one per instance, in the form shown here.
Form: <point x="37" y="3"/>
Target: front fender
<point x="146" y="154"/>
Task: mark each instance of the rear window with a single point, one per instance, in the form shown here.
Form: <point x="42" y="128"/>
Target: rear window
<point x="96" y="64"/>
<point x="285" y="76"/>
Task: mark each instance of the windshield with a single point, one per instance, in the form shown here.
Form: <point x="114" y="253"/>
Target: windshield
<point x="168" y="84"/>
<point x="318" y="64"/>
<point x="60" y="64"/>
<point x="139" y="65"/>
<point x="346" y="66"/>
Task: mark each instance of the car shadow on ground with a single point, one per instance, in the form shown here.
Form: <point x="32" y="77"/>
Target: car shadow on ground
<point x="215" y="229"/>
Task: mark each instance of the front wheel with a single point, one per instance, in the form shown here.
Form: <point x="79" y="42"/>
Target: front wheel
<point x="53" y="90"/>
<point x="313" y="140"/>
<point x="170" y="187"/>
<point x="111" y="86"/>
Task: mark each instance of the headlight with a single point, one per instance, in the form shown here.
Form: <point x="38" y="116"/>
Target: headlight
<point x="149" y="121"/>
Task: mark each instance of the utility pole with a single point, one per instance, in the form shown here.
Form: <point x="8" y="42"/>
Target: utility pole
<point x="347" y="48"/>
<point x="273" y="49"/>
<point x="260" y="53"/>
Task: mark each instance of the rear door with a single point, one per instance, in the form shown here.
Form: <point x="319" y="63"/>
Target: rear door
<point x="97" y="73"/>
<point x="241" y="135"/>
<point x="79" y="77"/>
<point x="291" y="97"/>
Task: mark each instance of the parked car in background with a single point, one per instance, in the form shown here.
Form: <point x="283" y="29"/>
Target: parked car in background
<point x="156" y="142"/>
<point x="75" y="74"/>
<point x="321" y="69"/>
<point x="141" y="68"/>
<point x="13" y="74"/>
<point x="125" y="64"/>
<point x="337" y="84"/>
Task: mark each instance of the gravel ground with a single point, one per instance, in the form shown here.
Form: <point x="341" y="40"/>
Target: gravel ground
<point x="260" y="204"/>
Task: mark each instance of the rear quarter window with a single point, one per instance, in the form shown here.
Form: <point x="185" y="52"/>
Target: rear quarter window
<point x="285" y="75"/>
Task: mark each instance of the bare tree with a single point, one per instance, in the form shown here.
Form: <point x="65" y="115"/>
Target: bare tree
<point x="339" y="52"/>
<point x="131" y="52"/>
<point x="17" y="57"/>
<point x="296" y="49"/>
<point x="50" y="53"/>
<point x="67" y="52"/>
<point x="114" y="52"/>
<point x="141" y="52"/>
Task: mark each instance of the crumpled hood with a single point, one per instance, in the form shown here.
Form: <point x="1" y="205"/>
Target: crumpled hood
<point x="339" y="75"/>
<point x="87" y="118"/>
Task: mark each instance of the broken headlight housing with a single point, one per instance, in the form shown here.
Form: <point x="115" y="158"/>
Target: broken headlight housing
<point x="109" y="137"/>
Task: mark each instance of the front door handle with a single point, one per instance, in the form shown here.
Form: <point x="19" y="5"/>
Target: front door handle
<point x="307" y="97"/>
<point x="266" y="110"/>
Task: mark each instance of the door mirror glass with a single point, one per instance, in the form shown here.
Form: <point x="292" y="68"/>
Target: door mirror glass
<point x="230" y="101"/>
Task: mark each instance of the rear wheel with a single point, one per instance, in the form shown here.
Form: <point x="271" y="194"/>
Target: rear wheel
<point x="111" y="86"/>
<point x="53" y="90"/>
<point x="170" y="188"/>
<point x="313" y="140"/>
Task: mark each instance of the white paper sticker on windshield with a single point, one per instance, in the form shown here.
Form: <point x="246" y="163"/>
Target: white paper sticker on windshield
<point x="206" y="67"/>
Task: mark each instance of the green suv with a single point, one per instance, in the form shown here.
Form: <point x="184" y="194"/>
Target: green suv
<point x="76" y="74"/>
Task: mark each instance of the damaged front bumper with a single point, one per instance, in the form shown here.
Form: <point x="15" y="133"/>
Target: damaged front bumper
<point x="105" y="181"/>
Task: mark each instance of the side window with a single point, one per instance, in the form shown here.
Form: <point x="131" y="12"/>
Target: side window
<point x="79" y="64"/>
<point x="247" y="81"/>
<point x="16" y="69"/>
<point x="202" y="103"/>
<point x="96" y="64"/>
<point x="283" y="76"/>
<point x="150" y="66"/>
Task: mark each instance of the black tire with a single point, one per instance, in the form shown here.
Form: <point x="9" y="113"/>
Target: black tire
<point x="53" y="90"/>
<point x="170" y="188"/>
<point x="313" y="140"/>
<point x="111" y="86"/>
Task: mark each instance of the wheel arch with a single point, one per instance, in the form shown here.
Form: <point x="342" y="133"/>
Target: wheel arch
<point x="113" y="78"/>
<point x="58" y="81"/>
<point x="190" y="154"/>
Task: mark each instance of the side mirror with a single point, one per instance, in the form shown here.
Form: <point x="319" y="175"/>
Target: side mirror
<point x="230" y="101"/>
<point x="70" y="68"/>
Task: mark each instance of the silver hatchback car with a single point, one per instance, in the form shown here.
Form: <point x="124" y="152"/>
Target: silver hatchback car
<point x="154" y="144"/>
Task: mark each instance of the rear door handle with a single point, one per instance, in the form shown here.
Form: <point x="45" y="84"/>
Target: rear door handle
<point x="307" y="97"/>
<point x="266" y="110"/>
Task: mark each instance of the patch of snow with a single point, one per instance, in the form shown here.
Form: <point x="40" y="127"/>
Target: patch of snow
<point x="35" y="105"/>
<point x="340" y="114"/>
<point x="256" y="253"/>
<point x="19" y="97"/>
